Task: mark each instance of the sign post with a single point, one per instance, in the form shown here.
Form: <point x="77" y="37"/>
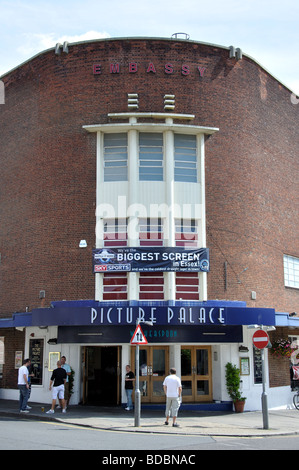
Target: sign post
<point x="137" y="339"/>
<point x="261" y="340"/>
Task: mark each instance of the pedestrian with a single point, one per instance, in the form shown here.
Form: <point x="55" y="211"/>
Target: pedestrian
<point x="68" y="370"/>
<point x="23" y="386"/>
<point x="30" y="375"/>
<point x="129" y="380"/>
<point x="58" y="379"/>
<point x="173" y="390"/>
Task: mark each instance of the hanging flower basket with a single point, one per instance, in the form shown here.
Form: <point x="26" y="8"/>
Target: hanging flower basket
<point x="283" y="348"/>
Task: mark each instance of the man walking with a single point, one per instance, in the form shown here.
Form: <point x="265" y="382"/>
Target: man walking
<point x="23" y="386"/>
<point x="173" y="389"/>
<point x="58" y="380"/>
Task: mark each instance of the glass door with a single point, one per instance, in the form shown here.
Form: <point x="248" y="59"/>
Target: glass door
<point x="159" y="356"/>
<point x="153" y="367"/>
<point x="196" y="373"/>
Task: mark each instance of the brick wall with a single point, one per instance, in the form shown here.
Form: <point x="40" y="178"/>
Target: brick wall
<point x="279" y="366"/>
<point x="14" y="340"/>
<point x="48" y="166"/>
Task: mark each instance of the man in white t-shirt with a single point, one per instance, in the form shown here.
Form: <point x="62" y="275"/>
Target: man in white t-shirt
<point x="173" y="389"/>
<point x="23" y="386"/>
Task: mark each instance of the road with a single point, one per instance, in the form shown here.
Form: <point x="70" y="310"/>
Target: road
<point x="22" y="434"/>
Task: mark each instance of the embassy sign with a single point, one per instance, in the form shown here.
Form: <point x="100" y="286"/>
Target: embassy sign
<point x="141" y="259"/>
<point x="149" y="68"/>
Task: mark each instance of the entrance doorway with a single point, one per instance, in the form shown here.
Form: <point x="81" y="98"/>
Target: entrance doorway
<point x="196" y="370"/>
<point x="153" y="367"/>
<point x="101" y="375"/>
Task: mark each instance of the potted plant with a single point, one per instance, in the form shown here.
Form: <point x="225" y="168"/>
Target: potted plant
<point x="232" y="377"/>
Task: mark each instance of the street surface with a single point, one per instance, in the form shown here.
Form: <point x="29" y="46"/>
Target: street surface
<point x="21" y="434"/>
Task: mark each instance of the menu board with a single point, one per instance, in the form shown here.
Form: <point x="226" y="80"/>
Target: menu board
<point x="36" y="355"/>
<point x="257" y="365"/>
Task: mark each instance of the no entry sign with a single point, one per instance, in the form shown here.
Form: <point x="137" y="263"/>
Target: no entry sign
<point x="260" y="339"/>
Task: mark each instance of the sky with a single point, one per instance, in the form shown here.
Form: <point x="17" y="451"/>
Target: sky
<point x="266" y="30"/>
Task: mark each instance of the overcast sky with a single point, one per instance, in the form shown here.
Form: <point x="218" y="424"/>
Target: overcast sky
<point x="267" y="30"/>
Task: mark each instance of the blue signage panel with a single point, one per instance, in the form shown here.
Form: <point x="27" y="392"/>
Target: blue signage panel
<point x="142" y="259"/>
<point x="155" y="334"/>
<point x="159" y="315"/>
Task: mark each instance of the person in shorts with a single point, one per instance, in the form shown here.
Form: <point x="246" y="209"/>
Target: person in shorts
<point x="173" y="390"/>
<point x="58" y="380"/>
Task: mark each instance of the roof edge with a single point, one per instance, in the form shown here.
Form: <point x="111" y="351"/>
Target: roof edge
<point x="147" y="39"/>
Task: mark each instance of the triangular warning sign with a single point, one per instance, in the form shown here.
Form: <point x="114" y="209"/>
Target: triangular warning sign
<point x="138" y="336"/>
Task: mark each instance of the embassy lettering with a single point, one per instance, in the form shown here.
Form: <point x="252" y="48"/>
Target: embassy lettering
<point x="150" y="68"/>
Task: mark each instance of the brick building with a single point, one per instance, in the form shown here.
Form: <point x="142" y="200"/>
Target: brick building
<point x="147" y="149"/>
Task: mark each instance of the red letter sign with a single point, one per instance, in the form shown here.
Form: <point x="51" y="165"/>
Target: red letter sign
<point x="151" y="68"/>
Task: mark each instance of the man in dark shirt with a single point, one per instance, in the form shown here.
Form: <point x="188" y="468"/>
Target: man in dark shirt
<point x="129" y="380"/>
<point x="58" y="380"/>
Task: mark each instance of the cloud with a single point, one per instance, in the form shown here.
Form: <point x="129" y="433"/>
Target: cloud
<point x="34" y="43"/>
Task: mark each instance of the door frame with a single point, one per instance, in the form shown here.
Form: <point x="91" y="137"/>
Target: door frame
<point x="150" y="379"/>
<point x="194" y="377"/>
<point x="84" y="368"/>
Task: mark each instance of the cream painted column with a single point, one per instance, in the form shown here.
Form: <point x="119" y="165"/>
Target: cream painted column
<point x="169" y="228"/>
<point x="203" y="280"/>
<point x="133" y="206"/>
<point x="99" y="216"/>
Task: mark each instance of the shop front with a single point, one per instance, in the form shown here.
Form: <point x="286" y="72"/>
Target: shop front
<point x="196" y="338"/>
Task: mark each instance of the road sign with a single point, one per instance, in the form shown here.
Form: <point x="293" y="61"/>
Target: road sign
<point x="138" y="336"/>
<point x="260" y="339"/>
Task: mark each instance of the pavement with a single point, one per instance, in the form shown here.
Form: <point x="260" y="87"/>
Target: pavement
<point x="202" y="423"/>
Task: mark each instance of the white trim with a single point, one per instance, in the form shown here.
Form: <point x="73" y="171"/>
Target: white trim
<point x="150" y="127"/>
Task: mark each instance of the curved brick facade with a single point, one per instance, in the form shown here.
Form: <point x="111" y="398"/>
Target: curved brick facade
<point x="49" y="186"/>
<point x="48" y="164"/>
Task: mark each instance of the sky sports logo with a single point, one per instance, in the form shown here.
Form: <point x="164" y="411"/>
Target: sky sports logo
<point x="114" y="267"/>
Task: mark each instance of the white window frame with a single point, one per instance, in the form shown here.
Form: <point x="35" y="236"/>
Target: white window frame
<point x="116" y="163"/>
<point x="152" y="163"/>
<point x="291" y="271"/>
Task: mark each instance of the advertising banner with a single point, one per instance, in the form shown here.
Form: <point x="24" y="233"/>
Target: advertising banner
<point x="141" y="259"/>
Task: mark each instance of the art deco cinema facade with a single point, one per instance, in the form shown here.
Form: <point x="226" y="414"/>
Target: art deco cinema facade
<point x="174" y="165"/>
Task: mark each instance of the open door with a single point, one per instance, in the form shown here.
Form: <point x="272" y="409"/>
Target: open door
<point x="101" y="375"/>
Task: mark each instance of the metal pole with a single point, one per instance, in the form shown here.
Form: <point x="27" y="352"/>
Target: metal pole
<point x="264" y="394"/>
<point x="137" y="390"/>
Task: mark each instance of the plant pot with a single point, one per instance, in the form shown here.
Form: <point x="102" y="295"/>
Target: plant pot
<point x="239" y="406"/>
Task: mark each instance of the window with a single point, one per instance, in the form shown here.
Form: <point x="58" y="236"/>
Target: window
<point x="185" y="158"/>
<point x="186" y="233"/>
<point x="187" y="287"/>
<point x="115" y="157"/>
<point x="151" y="286"/>
<point x="150" y="157"/>
<point x="115" y="232"/>
<point x="151" y="232"/>
<point x="115" y="284"/>
<point x="291" y="271"/>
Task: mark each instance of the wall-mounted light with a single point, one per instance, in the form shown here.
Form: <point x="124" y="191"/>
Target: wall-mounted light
<point x="42" y="294"/>
<point x="83" y="244"/>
